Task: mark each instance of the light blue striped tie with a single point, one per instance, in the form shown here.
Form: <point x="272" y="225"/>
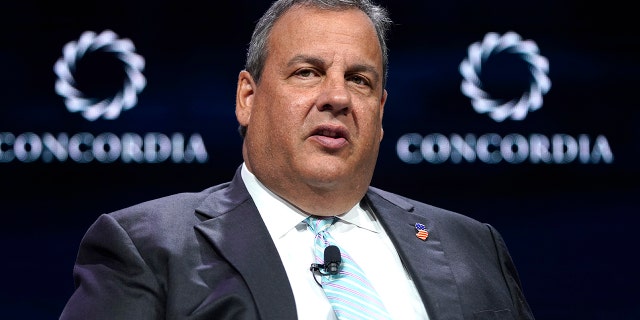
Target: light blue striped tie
<point x="349" y="292"/>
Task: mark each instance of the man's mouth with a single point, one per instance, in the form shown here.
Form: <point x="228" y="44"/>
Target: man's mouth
<point x="329" y="133"/>
<point x="331" y="137"/>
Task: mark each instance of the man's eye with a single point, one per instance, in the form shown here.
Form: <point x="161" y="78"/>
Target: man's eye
<point x="359" y="80"/>
<point x="305" y="73"/>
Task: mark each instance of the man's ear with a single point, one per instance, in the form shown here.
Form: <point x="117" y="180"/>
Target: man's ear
<point x="383" y="101"/>
<point x="244" y="97"/>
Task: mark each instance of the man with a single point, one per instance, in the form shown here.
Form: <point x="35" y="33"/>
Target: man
<point x="310" y="106"/>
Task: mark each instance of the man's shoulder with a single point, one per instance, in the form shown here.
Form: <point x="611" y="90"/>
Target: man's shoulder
<point x="174" y="207"/>
<point x="406" y="203"/>
<point x="164" y="222"/>
<point x="421" y="208"/>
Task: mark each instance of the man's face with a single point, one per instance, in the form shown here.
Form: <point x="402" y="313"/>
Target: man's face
<point x="315" y="118"/>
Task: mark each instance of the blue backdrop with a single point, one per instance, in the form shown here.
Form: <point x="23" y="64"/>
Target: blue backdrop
<point x="560" y="184"/>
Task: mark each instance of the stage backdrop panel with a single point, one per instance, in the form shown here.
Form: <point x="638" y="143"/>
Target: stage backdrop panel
<point x="520" y="114"/>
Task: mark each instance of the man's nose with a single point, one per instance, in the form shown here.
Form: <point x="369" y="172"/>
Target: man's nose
<point x="334" y="96"/>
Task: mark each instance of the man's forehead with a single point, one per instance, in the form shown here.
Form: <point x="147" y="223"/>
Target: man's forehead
<point x="315" y="37"/>
<point x="296" y="15"/>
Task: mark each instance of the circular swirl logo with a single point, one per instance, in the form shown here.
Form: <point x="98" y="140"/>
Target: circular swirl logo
<point x="483" y="102"/>
<point x="93" y="108"/>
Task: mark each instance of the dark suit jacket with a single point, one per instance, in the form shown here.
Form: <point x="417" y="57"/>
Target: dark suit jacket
<point x="208" y="255"/>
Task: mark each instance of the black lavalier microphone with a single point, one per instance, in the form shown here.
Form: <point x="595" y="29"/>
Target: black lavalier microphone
<point x="331" y="266"/>
<point x="332" y="260"/>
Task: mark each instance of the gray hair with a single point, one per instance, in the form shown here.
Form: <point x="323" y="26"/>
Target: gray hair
<point x="257" y="52"/>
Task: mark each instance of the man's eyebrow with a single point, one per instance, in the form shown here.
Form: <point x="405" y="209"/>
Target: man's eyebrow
<point x="307" y="59"/>
<point x="364" y="68"/>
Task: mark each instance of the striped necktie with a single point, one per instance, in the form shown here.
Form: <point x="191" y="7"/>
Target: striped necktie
<point x="349" y="292"/>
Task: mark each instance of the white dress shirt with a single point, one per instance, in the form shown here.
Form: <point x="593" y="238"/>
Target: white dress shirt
<point x="356" y="232"/>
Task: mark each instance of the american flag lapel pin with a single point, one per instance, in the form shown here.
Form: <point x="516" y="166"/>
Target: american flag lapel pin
<point x="421" y="231"/>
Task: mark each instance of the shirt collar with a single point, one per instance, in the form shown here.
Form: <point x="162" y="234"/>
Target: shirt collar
<point x="280" y="216"/>
<point x="360" y="217"/>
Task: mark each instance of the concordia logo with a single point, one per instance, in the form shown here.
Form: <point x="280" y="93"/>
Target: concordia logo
<point x="92" y="108"/>
<point x="107" y="147"/>
<point x="482" y="101"/>
<point x="492" y="148"/>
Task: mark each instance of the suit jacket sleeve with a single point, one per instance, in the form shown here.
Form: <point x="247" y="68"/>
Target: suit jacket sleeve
<point x="520" y="305"/>
<point x="112" y="279"/>
<point x="185" y="256"/>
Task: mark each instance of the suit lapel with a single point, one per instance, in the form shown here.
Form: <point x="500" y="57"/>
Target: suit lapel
<point x="424" y="260"/>
<point x="237" y="232"/>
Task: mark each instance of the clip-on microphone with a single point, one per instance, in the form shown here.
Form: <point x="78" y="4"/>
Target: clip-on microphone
<point x="331" y="266"/>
